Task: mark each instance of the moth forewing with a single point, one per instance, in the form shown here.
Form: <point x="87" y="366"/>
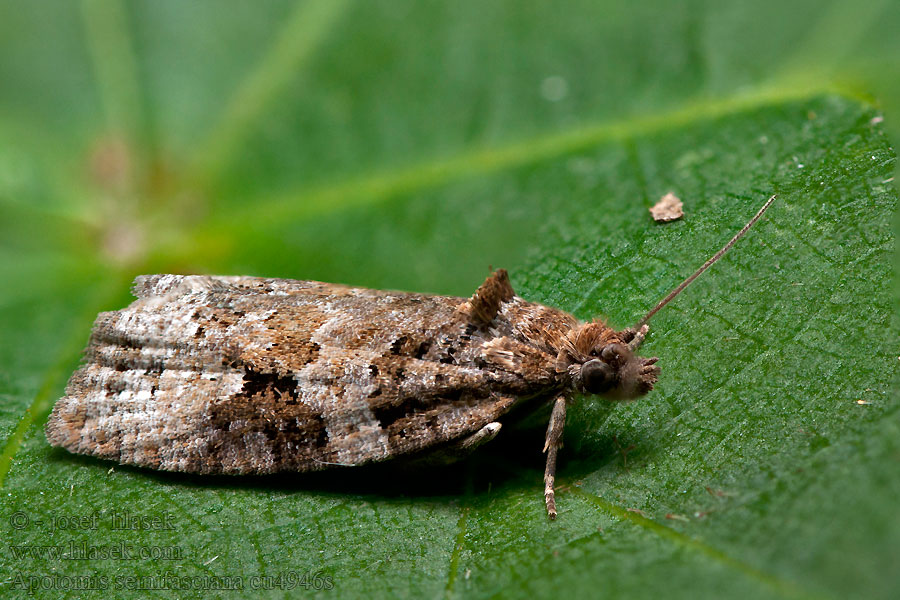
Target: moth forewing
<point x="246" y="375"/>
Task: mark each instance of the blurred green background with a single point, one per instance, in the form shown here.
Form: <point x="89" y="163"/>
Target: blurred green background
<point x="409" y="145"/>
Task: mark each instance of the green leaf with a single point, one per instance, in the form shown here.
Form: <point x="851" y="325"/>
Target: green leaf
<point x="409" y="146"/>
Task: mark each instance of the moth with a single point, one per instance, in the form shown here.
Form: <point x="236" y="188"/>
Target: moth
<point x="246" y="375"/>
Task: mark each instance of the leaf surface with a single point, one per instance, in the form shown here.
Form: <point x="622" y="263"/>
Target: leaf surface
<point x="409" y="146"/>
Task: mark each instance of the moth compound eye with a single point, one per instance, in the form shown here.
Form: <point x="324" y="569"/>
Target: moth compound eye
<point x="597" y="377"/>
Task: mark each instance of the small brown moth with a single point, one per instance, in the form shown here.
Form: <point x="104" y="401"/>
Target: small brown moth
<point x="245" y="375"/>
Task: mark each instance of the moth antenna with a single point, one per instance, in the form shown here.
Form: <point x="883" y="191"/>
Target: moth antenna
<point x="671" y="295"/>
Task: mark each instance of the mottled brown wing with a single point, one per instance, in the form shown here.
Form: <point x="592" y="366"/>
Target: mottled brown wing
<point x="252" y="375"/>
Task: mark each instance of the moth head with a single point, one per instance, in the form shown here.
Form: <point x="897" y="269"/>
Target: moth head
<point x="600" y="361"/>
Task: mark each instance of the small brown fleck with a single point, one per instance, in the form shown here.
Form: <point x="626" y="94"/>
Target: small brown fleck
<point x="716" y="492"/>
<point x="669" y="208"/>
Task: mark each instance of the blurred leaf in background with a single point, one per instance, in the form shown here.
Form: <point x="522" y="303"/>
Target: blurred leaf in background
<point x="409" y="146"/>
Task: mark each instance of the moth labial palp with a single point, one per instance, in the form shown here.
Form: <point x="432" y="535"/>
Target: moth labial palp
<point x="248" y="375"/>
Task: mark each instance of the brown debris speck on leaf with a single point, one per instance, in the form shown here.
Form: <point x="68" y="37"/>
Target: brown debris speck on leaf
<point x="669" y="208"/>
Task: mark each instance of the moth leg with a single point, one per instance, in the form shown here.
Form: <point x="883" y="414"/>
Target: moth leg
<point x="551" y="447"/>
<point x="480" y="437"/>
<point x="638" y="338"/>
<point x="458" y="449"/>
